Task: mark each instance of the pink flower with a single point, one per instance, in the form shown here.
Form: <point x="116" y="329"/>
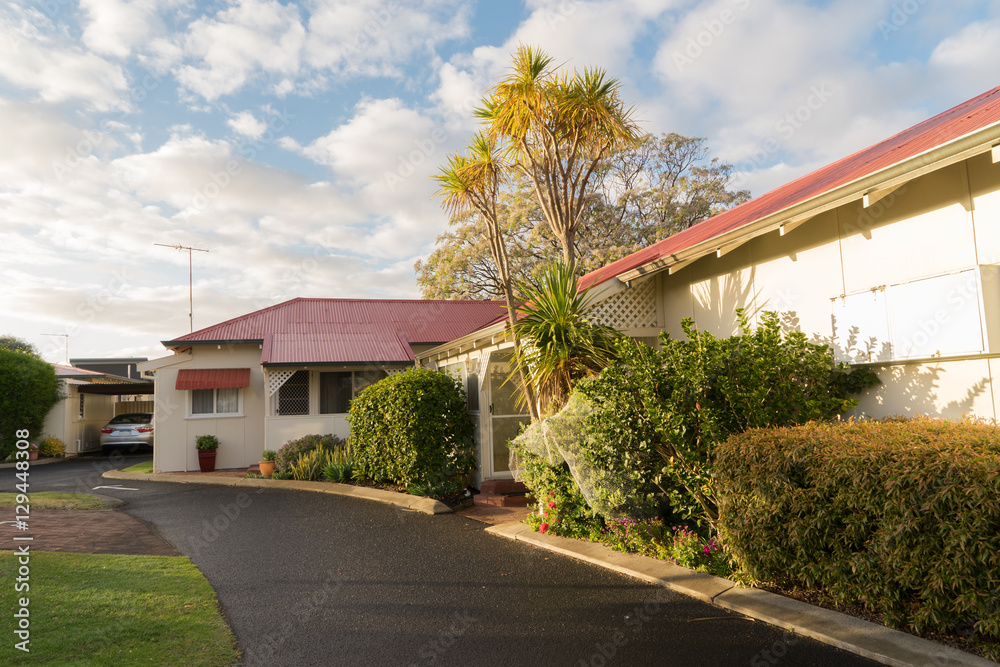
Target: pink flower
<point x="552" y="505"/>
<point x="543" y="528"/>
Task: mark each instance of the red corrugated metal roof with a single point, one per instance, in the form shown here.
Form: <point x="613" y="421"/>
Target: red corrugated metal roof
<point x="304" y="331"/>
<point x="975" y="114"/>
<point x="212" y="378"/>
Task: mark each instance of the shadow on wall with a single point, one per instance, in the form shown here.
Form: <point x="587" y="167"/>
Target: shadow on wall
<point x="718" y="300"/>
<point x="907" y="390"/>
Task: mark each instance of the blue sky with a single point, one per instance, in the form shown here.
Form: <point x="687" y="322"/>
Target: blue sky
<point x="296" y="141"/>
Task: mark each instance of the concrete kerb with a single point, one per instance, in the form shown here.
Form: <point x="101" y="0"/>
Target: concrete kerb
<point x="402" y="500"/>
<point x="870" y="640"/>
<point x="36" y="462"/>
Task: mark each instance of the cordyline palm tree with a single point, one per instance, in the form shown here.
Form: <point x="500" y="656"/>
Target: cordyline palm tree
<point x="560" y="344"/>
<point x="557" y="129"/>
<point x="473" y="181"/>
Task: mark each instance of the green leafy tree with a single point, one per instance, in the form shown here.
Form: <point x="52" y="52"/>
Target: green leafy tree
<point x="29" y="388"/>
<point x="640" y="195"/>
<point x="472" y="182"/>
<point x="556" y="129"/>
<point x="15" y="344"/>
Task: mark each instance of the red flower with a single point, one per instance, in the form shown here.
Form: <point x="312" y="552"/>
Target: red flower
<point x="543" y="528"/>
<point x="552" y="505"/>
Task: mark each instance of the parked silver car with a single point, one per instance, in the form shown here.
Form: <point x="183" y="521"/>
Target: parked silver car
<point x="132" y="429"/>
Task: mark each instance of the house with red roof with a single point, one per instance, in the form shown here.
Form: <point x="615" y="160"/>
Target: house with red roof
<point x="279" y="373"/>
<point x="889" y="255"/>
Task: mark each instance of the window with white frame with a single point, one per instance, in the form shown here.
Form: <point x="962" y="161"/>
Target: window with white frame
<point x="215" y="401"/>
<point x="937" y="316"/>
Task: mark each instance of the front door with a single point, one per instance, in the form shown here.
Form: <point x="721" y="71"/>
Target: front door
<point x="505" y="415"/>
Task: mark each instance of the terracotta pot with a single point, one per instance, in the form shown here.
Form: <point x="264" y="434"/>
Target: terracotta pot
<point x="32" y="454"/>
<point x="266" y="468"/>
<point x="206" y="459"/>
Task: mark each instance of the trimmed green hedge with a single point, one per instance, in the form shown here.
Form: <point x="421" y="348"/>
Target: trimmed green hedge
<point x="29" y="388"/>
<point x="901" y="516"/>
<point x="412" y="428"/>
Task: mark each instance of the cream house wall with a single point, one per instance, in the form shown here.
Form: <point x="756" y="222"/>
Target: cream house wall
<point x="241" y="436"/>
<point x="942" y="223"/>
<point x="64" y="422"/>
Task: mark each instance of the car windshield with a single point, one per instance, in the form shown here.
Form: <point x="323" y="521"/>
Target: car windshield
<point x="134" y="418"/>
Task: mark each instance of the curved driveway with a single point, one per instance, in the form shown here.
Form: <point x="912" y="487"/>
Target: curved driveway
<point x="314" y="579"/>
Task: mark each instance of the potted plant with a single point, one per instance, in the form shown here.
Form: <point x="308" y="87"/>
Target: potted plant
<point x="266" y="462"/>
<point x="206" y="446"/>
<point x="33" y="451"/>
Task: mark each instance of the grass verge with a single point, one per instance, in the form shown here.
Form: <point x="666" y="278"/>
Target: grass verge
<point x="98" y="609"/>
<point x="47" y="500"/>
<point x="145" y="466"/>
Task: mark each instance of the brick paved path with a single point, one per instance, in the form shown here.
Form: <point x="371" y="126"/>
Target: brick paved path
<point x="86" y="531"/>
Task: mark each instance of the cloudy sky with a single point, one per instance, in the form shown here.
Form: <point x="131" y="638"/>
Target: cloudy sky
<point x="295" y="141"/>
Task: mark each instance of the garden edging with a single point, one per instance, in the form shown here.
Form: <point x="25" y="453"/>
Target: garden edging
<point x="403" y="500"/>
<point x="870" y="640"/>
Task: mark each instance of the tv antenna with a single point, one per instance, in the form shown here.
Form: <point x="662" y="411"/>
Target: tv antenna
<point x="189" y="249"/>
<point x="66" y="336"/>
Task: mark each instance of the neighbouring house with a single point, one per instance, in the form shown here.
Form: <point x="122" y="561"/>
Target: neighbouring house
<point x="890" y="255"/>
<point x="276" y="374"/>
<point x="91" y="399"/>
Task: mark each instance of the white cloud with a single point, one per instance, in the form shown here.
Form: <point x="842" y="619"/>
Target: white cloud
<point x="35" y="56"/>
<point x="246" y="124"/>
<point x="254" y="36"/>
<point x="116" y="27"/>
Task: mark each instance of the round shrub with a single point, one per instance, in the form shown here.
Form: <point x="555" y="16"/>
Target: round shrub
<point x="412" y="428"/>
<point x="293" y="450"/>
<point x="51" y="447"/>
<point x="30" y="390"/>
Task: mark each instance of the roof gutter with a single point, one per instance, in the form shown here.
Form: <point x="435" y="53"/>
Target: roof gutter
<point x="888" y="178"/>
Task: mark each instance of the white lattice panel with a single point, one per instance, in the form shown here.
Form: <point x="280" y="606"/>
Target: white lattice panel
<point x="633" y="308"/>
<point x="277" y="378"/>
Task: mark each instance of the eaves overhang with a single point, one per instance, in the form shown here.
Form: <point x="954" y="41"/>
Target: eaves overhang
<point x="887" y="179"/>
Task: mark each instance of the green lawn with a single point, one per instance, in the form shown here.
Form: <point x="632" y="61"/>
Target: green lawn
<point x="145" y="466"/>
<point x="47" y="500"/>
<point x="96" y="609"/>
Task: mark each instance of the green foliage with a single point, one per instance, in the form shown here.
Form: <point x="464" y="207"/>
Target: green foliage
<point x="51" y="447"/>
<point x="412" y="427"/>
<point x="206" y="443"/>
<point x="268" y="455"/>
<point x="560" y="344"/>
<point x="293" y="450"/>
<point x="310" y="466"/>
<point x="900" y="516"/>
<point x="562" y="509"/>
<point x="283" y="474"/>
<point x="28" y="390"/>
<point x="640" y="195"/>
<point x="679" y="543"/>
<point x="340" y="464"/>
<point x="661" y="413"/>
<point x="15" y="344"/>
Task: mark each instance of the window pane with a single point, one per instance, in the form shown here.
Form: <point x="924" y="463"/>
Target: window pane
<point x="202" y="401"/>
<point x="293" y="397"/>
<point x="227" y="401"/>
<point x="334" y="392"/>
<point x="364" y="379"/>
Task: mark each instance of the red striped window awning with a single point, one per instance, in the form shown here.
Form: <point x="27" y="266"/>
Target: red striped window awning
<point x="213" y="378"/>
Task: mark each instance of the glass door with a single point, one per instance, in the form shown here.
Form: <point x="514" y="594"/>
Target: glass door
<point x="506" y="416"/>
